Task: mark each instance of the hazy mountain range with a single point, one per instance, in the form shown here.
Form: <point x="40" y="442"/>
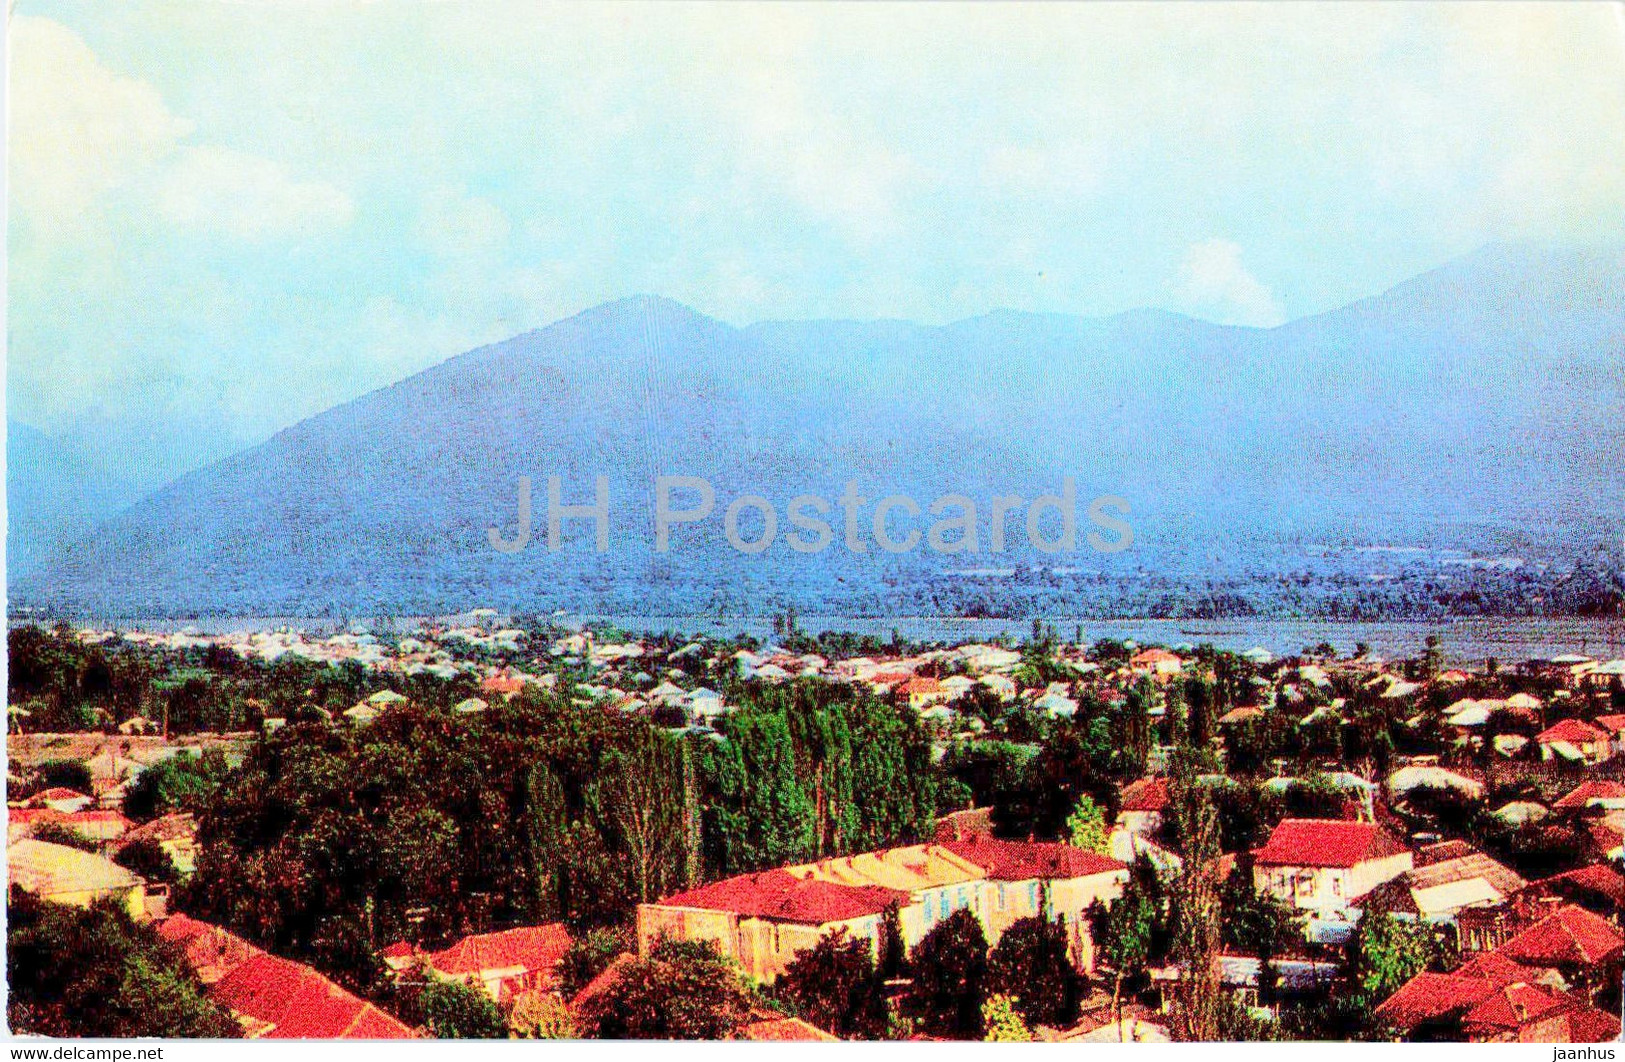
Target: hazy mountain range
<point x="1473" y="413"/>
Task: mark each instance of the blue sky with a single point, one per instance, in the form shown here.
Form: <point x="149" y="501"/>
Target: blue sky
<point x="225" y="217"/>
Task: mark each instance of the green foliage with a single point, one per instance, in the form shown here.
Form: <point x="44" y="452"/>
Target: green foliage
<point x="1086" y="827"/>
<point x="589" y="954"/>
<point x="950" y="968"/>
<point x="682" y="991"/>
<point x="1385" y="952"/>
<point x="1003" y="1022"/>
<point x="835" y="986"/>
<point x="541" y="1016"/>
<point x="182" y="783"/>
<point x="77" y="972"/>
<point x="453" y="1010"/>
<point x="70" y="774"/>
<point x="148" y="858"/>
<point x="1030" y="965"/>
<point x="63" y="834"/>
<point x="811" y="769"/>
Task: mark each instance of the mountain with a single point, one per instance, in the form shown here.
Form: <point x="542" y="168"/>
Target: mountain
<point x="1470" y="413"/>
<point x="54" y="496"/>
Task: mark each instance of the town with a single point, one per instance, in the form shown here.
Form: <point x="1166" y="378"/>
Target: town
<point x="494" y="826"/>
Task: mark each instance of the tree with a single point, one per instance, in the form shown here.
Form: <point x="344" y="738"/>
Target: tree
<point x="1385" y="952"/>
<point x="1195" y="911"/>
<point x="179" y="784"/>
<point x="1030" y="965"/>
<point x="68" y="774"/>
<point x="150" y="860"/>
<point x="1002" y="1021"/>
<point x="1124" y="932"/>
<point x="65" y="835"/>
<point x="1086" y="827"/>
<point x="589" y="954"/>
<point x="76" y="972"/>
<point x="682" y="991"/>
<point x="891" y="955"/>
<point x="1255" y="923"/>
<point x="541" y="1016"/>
<point x="950" y="966"/>
<point x="835" y="985"/>
<point x="453" y="1010"/>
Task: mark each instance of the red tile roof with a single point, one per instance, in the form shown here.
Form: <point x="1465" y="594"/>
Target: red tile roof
<point x="1430" y="997"/>
<point x="291" y="1001"/>
<point x="531" y="948"/>
<point x="1146" y="794"/>
<point x="1024" y="860"/>
<point x="1614" y="724"/>
<point x="1326" y="843"/>
<point x="1588" y="1025"/>
<point x="782" y="897"/>
<point x="1572" y="731"/>
<point x="1510" y="1007"/>
<point x="56" y="792"/>
<point x="210" y="951"/>
<point x="1596" y="880"/>
<point x="783" y="1029"/>
<point x="1597" y="789"/>
<point x="1569" y="936"/>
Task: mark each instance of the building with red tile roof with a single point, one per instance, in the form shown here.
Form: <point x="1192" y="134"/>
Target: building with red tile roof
<point x="273" y="997"/>
<point x="503" y="964"/>
<point x="1325" y="865"/>
<point x="777" y="1028"/>
<point x="1575" y="741"/>
<point x="279" y="999"/>
<point x="762" y="920"/>
<point x="1143" y="803"/>
<point x="1492" y="1000"/>
<point x="1601" y="792"/>
<point x="1570" y="938"/>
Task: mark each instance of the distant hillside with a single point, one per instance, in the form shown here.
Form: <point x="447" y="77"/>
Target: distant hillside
<point x="54" y="497"/>
<point x="1474" y="408"/>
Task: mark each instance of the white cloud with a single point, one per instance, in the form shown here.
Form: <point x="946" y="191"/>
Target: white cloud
<point x="1214" y="283"/>
<point x="455" y="225"/>
<point x="217" y="190"/>
<point x="81" y="132"/>
<point x="78" y="129"/>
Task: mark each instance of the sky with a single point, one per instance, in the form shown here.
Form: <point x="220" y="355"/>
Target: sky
<point x="225" y="217"/>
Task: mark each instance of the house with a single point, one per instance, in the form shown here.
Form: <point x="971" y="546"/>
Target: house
<point x="1437" y="889"/>
<point x="1605" y="793"/>
<point x="470" y="706"/>
<point x="93" y="824"/>
<point x="1144" y="801"/>
<point x="175" y="833"/>
<point x="60" y="874"/>
<point x="60" y="798"/>
<point x="503" y="964"/>
<point x="1614" y="727"/>
<point x="1492" y="1004"/>
<point x="1325" y="866"/>
<point x="1584" y="947"/>
<point x="210" y="951"/>
<point x="1599" y="889"/>
<point x="279" y="999"/>
<point x="1426" y="775"/>
<point x="1574" y="741"/>
<point x="923" y="692"/>
<point x="1159" y="663"/>
<point x="768" y="1027"/>
<point x="762" y="920"/>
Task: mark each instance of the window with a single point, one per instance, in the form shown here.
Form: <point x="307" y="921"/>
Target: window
<point x="1001" y="896"/>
